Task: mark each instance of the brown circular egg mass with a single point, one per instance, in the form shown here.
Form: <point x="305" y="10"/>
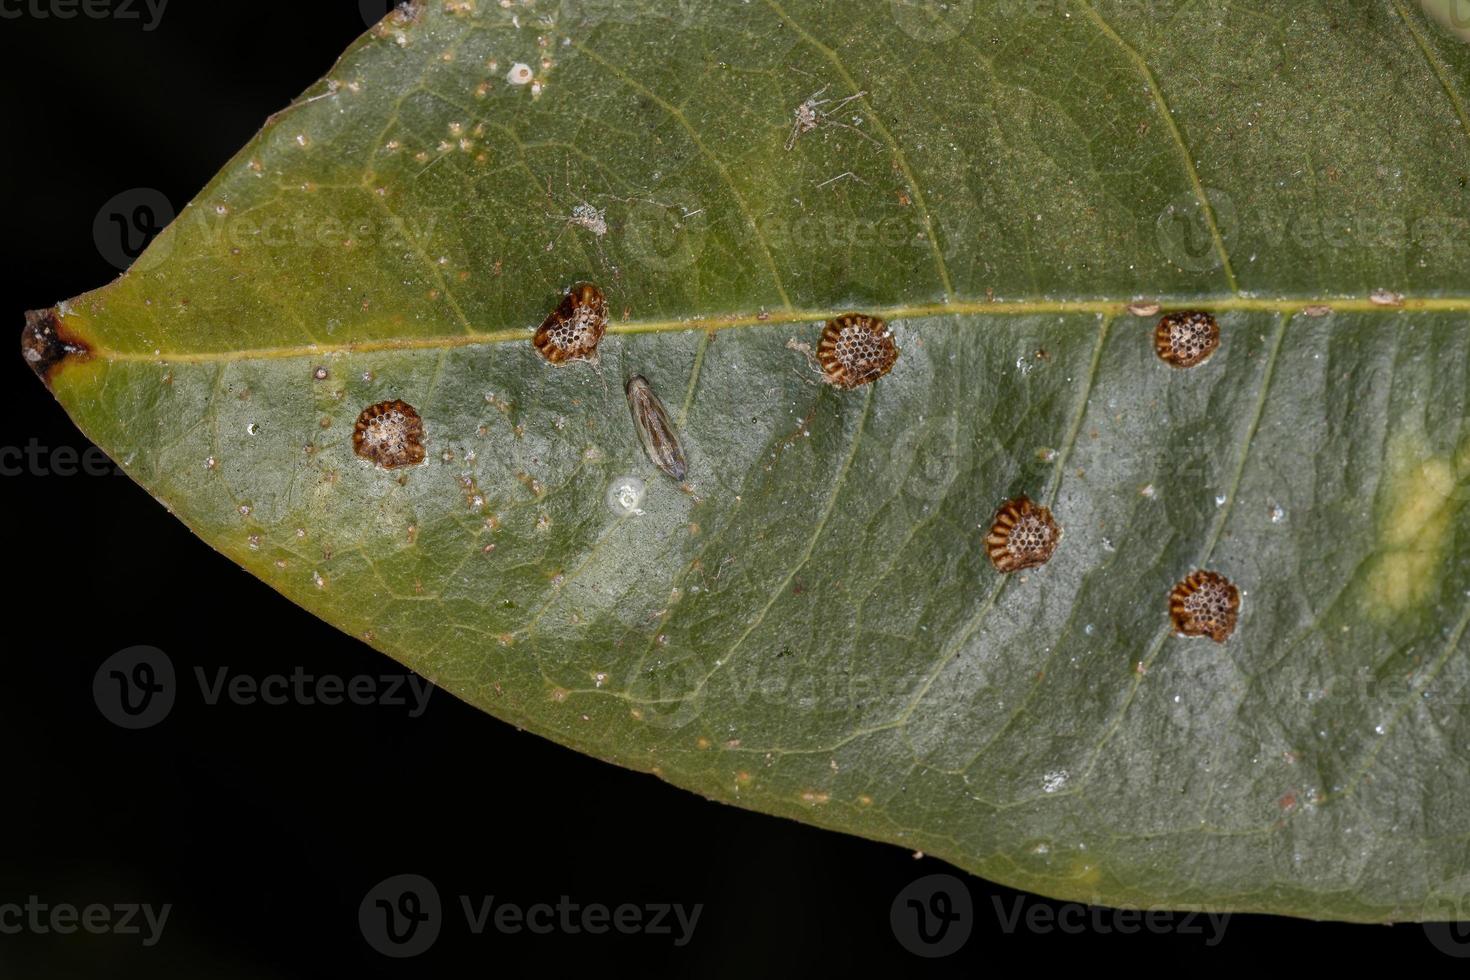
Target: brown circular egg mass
<point x="1184" y="340"/>
<point x="1205" y="604"/>
<point x="389" y="434"/>
<point x="574" y="329"/>
<point x="856" y="349"/>
<point x="1024" y="535"/>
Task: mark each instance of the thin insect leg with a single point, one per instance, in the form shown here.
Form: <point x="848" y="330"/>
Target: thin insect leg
<point x="855" y="129"/>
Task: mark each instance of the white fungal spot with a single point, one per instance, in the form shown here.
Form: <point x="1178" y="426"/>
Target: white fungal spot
<point x="625" y="496"/>
<point x="520" y="74"/>
<point x="1054" y="780"/>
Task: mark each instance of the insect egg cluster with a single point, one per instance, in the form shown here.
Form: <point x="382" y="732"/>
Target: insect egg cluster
<point x="856" y="349"/>
<point x="1024" y="535"/>
<point x="574" y="329"/>
<point x="1185" y="340"/>
<point x="389" y="434"/>
<point x="1205" y="604"/>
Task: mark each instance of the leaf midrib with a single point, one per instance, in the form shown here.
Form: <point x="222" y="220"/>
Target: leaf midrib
<point x="1283" y="306"/>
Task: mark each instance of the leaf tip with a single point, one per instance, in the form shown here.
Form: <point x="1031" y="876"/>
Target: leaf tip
<point x="46" y="344"/>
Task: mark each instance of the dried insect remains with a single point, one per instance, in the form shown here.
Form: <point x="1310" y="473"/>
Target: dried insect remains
<point x="655" y="430"/>
<point x="1205" y="604"/>
<point x="1186" y="339"/>
<point x="1024" y="535"/>
<point x="816" y="112"/>
<point x="389" y="434"/>
<point x="575" y="327"/>
<point x="856" y="349"/>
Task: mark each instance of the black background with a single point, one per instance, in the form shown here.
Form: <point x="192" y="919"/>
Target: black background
<point x="264" y="826"/>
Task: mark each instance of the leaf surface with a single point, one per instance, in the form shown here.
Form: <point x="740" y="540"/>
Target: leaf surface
<point x="811" y="626"/>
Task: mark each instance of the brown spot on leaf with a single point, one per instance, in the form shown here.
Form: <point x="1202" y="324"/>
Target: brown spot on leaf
<point x="390" y="435"/>
<point x="46" y="344"/>
<point x="1205" y="604"/>
<point x="1184" y="340"/>
<point x="856" y="349"/>
<point x="1024" y="535"/>
<point x="575" y="327"/>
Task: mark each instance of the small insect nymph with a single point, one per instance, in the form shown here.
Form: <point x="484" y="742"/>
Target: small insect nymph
<point x="389" y="434"/>
<point x="1024" y="535"/>
<point x="1205" y="604"/>
<point x="655" y="430"/>
<point x="856" y="349"/>
<point x="1186" y="339"/>
<point x="575" y="327"/>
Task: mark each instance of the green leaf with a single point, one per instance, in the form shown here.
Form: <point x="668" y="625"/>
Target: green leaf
<point x="812" y="626"/>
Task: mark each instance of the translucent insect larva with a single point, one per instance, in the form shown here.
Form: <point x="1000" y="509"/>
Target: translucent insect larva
<point x="655" y="431"/>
